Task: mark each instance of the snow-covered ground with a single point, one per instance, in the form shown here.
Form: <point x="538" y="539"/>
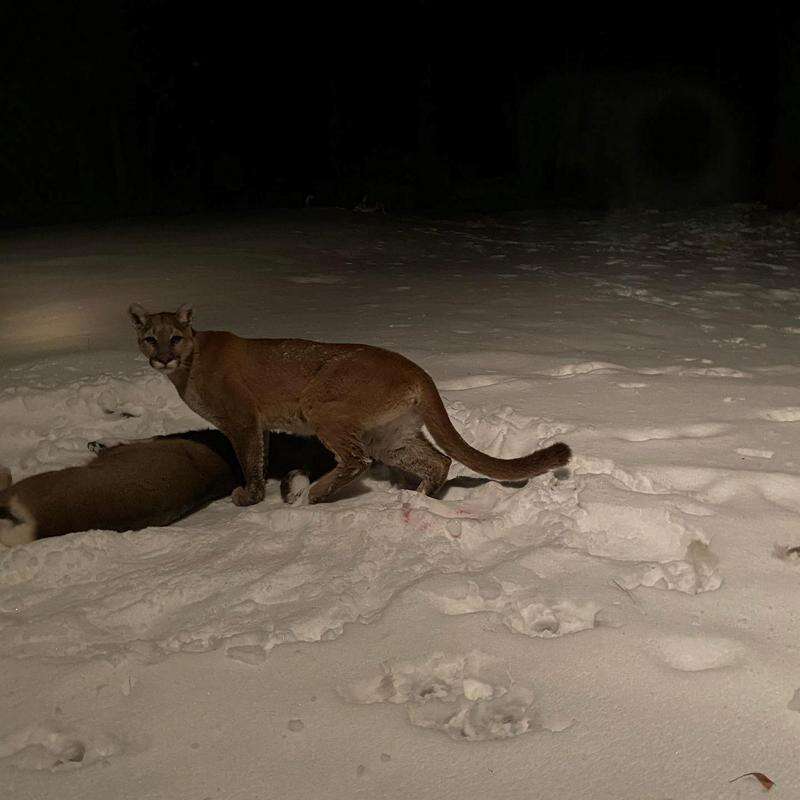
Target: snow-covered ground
<point x="626" y="630"/>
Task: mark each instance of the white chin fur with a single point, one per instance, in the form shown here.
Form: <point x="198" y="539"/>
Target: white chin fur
<point x="164" y="367"/>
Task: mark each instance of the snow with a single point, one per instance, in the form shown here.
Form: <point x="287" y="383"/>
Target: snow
<point x="624" y="628"/>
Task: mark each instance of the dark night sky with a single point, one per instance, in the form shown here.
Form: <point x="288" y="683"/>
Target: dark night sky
<point x="162" y="107"/>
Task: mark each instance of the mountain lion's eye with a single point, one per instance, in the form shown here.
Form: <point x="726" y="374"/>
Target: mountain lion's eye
<point x="151" y="340"/>
<point x="175" y="340"/>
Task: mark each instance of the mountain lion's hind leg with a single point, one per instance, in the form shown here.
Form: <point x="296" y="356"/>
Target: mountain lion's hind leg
<point x="352" y="460"/>
<point x="419" y="457"/>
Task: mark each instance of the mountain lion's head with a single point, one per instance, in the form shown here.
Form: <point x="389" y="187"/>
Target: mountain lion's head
<point x="166" y="339"/>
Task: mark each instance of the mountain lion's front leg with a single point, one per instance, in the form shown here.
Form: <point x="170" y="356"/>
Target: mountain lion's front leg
<point x="251" y="450"/>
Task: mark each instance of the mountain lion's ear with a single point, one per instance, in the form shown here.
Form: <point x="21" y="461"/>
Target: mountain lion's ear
<point x="138" y="315"/>
<point x="184" y="314"/>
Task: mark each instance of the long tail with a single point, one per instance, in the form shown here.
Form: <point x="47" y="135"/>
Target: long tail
<point x="438" y="423"/>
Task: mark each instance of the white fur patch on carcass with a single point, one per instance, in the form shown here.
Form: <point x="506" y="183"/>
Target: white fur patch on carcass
<point x="12" y="533"/>
<point x="294" y="488"/>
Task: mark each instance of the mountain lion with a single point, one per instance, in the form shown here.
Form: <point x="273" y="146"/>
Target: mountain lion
<point x="361" y="401"/>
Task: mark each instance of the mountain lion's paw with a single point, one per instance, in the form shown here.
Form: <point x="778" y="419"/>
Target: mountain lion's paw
<point x="248" y="495"/>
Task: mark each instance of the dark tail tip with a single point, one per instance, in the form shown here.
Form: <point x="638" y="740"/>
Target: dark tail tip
<point x="558" y="454"/>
